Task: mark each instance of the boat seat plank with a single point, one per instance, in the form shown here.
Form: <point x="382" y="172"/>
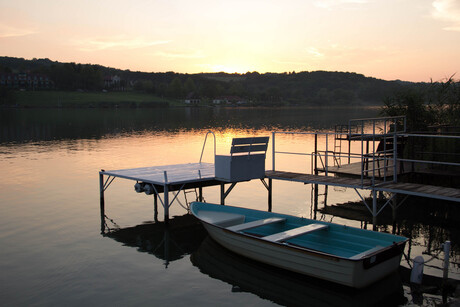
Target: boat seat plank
<point x="292" y="233"/>
<point x="257" y="223"/>
<point x="365" y="253"/>
<point x="222" y="219"/>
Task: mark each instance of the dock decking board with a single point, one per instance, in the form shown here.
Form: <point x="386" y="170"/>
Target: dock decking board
<point x="415" y="189"/>
<point x="423" y="190"/>
<point x="177" y="174"/>
<point x="326" y="180"/>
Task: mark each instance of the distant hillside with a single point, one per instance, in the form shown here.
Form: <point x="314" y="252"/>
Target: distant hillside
<point x="301" y="88"/>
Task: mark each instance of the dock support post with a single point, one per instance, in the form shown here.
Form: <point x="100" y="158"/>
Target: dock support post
<point x="102" y="202"/>
<point x="374" y="210"/>
<point x="166" y="203"/>
<point x="349" y="150"/>
<point x="222" y="194"/>
<point x="446" y="249"/>
<point x="155" y="207"/>
<point x="270" y="199"/>
<point x="200" y="194"/>
<point x="166" y="198"/>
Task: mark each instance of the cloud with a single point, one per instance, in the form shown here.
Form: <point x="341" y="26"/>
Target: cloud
<point x="175" y="55"/>
<point x="449" y="11"/>
<point x="315" y="52"/>
<point x="329" y="4"/>
<point x="116" y="43"/>
<point x="9" y="31"/>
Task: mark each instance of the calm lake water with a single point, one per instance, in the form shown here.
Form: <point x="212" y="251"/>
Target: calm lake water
<point x="53" y="251"/>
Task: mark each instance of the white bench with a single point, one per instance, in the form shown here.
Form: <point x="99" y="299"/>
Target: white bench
<point x="257" y="223"/>
<point x="292" y="233"/>
<point x="245" y="162"/>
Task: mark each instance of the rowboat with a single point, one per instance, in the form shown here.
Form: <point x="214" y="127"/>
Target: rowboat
<point x="337" y="253"/>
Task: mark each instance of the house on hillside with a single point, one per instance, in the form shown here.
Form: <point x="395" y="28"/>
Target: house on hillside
<point x="112" y="82"/>
<point x="192" y="99"/>
<point x="229" y="100"/>
<point x="25" y="81"/>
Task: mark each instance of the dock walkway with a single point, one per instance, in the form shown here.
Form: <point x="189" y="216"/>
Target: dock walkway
<point x="423" y="190"/>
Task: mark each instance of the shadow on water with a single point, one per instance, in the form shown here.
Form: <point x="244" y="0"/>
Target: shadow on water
<point x="172" y="241"/>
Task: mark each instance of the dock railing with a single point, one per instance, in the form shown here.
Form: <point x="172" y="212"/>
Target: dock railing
<point x="204" y="144"/>
<point x="432" y="152"/>
<point x="320" y="158"/>
<point x="382" y="134"/>
<point x="376" y="151"/>
<point x="381" y="146"/>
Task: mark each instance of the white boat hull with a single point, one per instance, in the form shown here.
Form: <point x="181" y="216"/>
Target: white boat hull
<point x="339" y="254"/>
<point x="343" y="271"/>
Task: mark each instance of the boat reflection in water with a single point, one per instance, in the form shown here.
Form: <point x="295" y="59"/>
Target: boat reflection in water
<point x="172" y="241"/>
<point x="184" y="235"/>
<point x="288" y="288"/>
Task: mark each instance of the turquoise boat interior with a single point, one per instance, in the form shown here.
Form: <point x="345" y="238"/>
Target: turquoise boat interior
<point x="329" y="238"/>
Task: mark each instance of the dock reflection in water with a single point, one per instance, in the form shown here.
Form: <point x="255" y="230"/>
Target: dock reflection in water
<point x="172" y="241"/>
<point x="287" y="288"/>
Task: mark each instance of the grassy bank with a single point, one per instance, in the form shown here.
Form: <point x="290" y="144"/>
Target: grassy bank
<point x="63" y="99"/>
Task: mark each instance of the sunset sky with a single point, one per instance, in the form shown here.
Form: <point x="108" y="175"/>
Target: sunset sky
<point x="413" y="40"/>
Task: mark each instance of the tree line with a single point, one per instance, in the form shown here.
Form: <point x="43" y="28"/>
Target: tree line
<point x="293" y="88"/>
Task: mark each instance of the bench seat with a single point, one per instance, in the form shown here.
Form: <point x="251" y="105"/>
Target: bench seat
<point x="257" y="223"/>
<point x="292" y="233"/>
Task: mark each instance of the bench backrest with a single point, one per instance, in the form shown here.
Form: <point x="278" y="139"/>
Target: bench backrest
<point x="246" y="146"/>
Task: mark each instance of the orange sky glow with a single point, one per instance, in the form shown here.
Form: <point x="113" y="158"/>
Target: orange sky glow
<point x="412" y="40"/>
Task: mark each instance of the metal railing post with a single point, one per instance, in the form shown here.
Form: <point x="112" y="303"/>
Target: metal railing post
<point x="204" y="144"/>
<point x="326" y="162"/>
<point x="273" y="150"/>
<point x="395" y="158"/>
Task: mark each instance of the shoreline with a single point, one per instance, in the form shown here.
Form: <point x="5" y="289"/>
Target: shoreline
<point x="133" y="100"/>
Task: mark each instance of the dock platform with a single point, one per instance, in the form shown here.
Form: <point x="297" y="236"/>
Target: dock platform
<point x="154" y="180"/>
<point x="190" y="175"/>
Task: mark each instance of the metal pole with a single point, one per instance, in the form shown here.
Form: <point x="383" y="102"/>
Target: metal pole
<point x="166" y="198"/>
<point x="316" y="154"/>
<point x="374" y="210"/>
<point x="373" y="153"/>
<point x="349" y="151"/>
<point x="362" y="153"/>
<point x="273" y="150"/>
<point x="102" y="203"/>
<point x="270" y="195"/>
<point x="446" y="247"/>
<point x="326" y="156"/>
<point x="222" y="193"/>
<point x="155" y="207"/>
<point x="395" y="159"/>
